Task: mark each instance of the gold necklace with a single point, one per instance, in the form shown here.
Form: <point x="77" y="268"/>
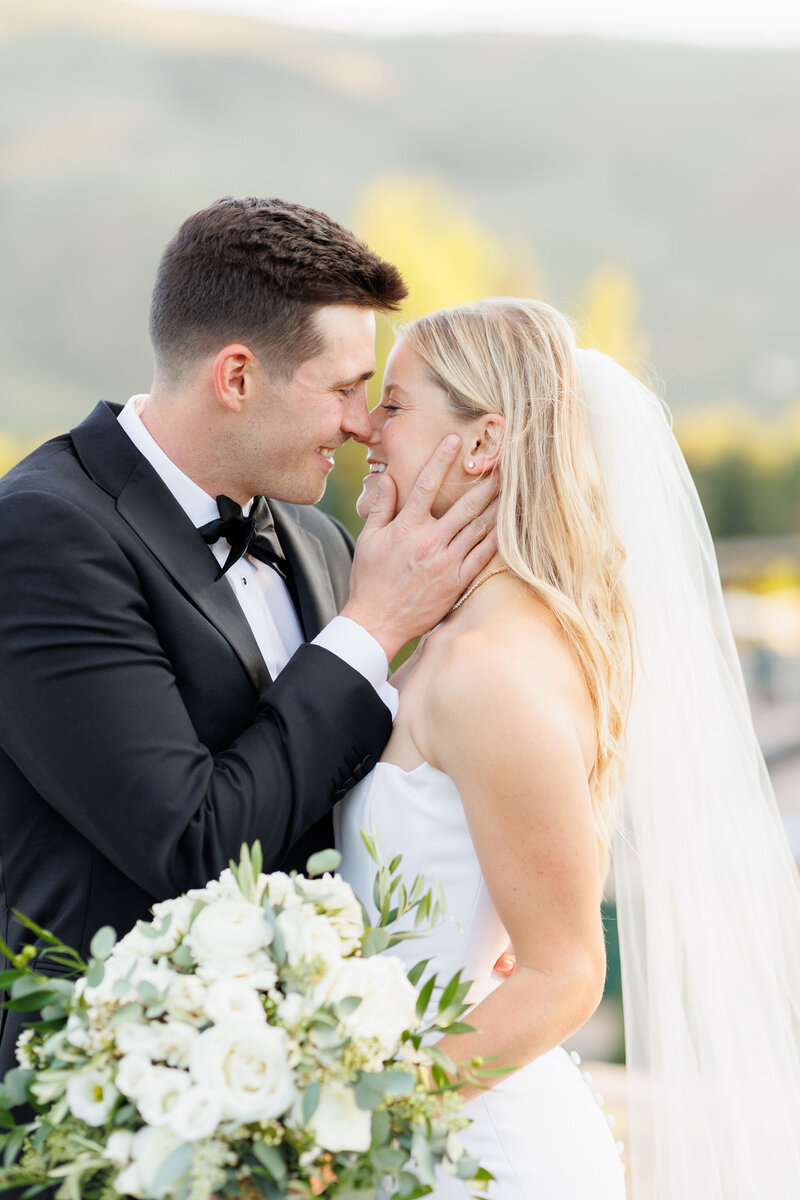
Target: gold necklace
<point x="474" y="588"/>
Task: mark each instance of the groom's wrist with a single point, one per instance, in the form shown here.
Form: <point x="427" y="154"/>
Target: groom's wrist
<point x="356" y="646"/>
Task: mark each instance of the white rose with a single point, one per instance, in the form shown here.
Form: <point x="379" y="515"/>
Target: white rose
<point x="151" y="1147"/>
<point x="337" y="900"/>
<point x="152" y="939"/>
<point x="138" y="1037"/>
<point x="338" y="1123"/>
<point x="281" y="890"/>
<point x="247" y="1066"/>
<point x="119" y="1146"/>
<point x="228" y="929"/>
<point x="229" y="998"/>
<point x="185" y="998"/>
<point x="175" y="1040"/>
<point x="388" y="1001"/>
<point x="91" y="1097"/>
<point x="134" y="1075"/>
<point x="307" y="938"/>
<point x="162" y="1088"/>
<point x="258" y="970"/>
<point x="196" y="1114"/>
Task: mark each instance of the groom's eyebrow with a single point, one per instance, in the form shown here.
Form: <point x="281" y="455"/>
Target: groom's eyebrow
<point x="363" y="378"/>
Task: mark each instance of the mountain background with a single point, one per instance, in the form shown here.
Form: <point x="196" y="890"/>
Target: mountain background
<point x="676" y="166"/>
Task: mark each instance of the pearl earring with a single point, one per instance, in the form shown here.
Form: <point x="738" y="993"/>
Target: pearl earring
<point x="471" y="465"/>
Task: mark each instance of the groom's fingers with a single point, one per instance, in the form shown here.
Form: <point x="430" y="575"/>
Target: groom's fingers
<point x="417" y="507"/>
<point x="471" y="515"/>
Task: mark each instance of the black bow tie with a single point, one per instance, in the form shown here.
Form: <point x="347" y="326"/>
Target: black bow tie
<point x="254" y="534"/>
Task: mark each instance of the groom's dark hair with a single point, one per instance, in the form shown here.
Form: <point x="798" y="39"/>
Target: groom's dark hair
<point x="255" y="271"/>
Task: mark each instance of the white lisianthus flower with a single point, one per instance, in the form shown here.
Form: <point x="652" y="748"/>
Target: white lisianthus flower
<point x="91" y="1097"/>
<point x="119" y="1146"/>
<point x="175" y="1040"/>
<point x="228" y="929"/>
<point x="149" y="1150"/>
<point x="337" y="901"/>
<point x="195" y="1114"/>
<point x="163" y="1087"/>
<point x="134" y="1075"/>
<point x="338" y="1123"/>
<point x="186" y="997"/>
<point x="388" y="1001"/>
<point x="232" y="998"/>
<point x="246" y="1065"/>
<point x="308" y="939"/>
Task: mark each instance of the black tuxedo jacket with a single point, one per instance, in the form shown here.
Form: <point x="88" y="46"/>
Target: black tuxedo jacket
<point x="141" y="737"/>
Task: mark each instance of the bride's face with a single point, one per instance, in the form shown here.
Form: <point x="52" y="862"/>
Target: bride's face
<point x="413" y="417"/>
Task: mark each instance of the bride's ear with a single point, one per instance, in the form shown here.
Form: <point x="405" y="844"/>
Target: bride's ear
<point x="482" y="449"/>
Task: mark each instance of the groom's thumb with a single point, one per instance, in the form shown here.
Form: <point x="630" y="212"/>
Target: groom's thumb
<point x="382" y="509"/>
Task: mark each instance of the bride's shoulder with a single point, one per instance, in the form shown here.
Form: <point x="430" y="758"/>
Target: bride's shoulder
<point x="519" y="660"/>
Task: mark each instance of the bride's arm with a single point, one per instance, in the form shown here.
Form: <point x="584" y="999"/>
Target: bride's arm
<point x="503" y="726"/>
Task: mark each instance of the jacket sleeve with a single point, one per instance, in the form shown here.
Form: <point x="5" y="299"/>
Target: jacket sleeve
<point x="91" y="714"/>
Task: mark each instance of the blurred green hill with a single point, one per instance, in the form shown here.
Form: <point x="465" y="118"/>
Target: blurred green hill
<point x="677" y="166"/>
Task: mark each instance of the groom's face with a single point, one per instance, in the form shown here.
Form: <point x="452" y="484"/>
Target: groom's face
<point x="297" y="425"/>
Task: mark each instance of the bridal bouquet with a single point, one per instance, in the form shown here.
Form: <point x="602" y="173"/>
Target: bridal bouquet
<point x="248" y="1041"/>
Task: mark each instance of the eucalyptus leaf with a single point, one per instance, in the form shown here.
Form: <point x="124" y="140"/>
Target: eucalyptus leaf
<point x="387" y="1158"/>
<point x="344" y="1007"/>
<point x="310" y="1100"/>
<point x="375" y="942"/>
<point x="173" y="1167"/>
<point x="271" y="1158"/>
<point x="322" y="861"/>
<point x="103" y="943"/>
<point x="94" y="976"/>
<point x="183" y="957"/>
<point x="381" y="1127"/>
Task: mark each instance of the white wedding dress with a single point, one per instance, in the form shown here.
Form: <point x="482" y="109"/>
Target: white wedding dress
<point x="540" y="1131"/>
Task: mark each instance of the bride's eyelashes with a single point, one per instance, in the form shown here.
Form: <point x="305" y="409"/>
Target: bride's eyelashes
<point x="390" y="408"/>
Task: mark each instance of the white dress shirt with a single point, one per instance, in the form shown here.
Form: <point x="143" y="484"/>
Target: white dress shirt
<point x="262" y="594"/>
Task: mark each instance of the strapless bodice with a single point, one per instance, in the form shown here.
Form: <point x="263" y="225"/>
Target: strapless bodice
<point x="419" y="814"/>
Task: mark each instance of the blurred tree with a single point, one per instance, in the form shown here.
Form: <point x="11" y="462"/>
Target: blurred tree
<point x="12" y="450"/>
<point x="609" y="315"/>
<point x="747" y="470"/>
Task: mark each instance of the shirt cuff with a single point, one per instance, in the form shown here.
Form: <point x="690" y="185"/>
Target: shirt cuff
<point x="350" y="641"/>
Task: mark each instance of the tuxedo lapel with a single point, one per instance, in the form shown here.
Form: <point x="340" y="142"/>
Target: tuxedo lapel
<point x="306" y="559"/>
<point x="148" y="507"/>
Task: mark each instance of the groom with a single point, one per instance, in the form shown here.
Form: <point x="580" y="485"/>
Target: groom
<point x="174" y="677"/>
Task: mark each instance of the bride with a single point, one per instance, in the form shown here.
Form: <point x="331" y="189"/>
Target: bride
<point x="593" y="648"/>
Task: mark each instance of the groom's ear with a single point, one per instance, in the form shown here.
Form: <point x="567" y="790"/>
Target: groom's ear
<point x="482" y="449"/>
<point x="235" y="368"/>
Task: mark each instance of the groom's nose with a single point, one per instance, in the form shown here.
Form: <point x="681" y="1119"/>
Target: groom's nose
<point x="356" y="421"/>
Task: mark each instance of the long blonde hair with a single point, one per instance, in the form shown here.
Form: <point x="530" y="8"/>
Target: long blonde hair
<point x="517" y="358"/>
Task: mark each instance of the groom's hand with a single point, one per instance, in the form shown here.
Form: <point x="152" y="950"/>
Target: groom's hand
<point x="410" y="568"/>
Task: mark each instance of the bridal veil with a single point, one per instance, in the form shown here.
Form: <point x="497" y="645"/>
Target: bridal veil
<point x="707" y="891"/>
